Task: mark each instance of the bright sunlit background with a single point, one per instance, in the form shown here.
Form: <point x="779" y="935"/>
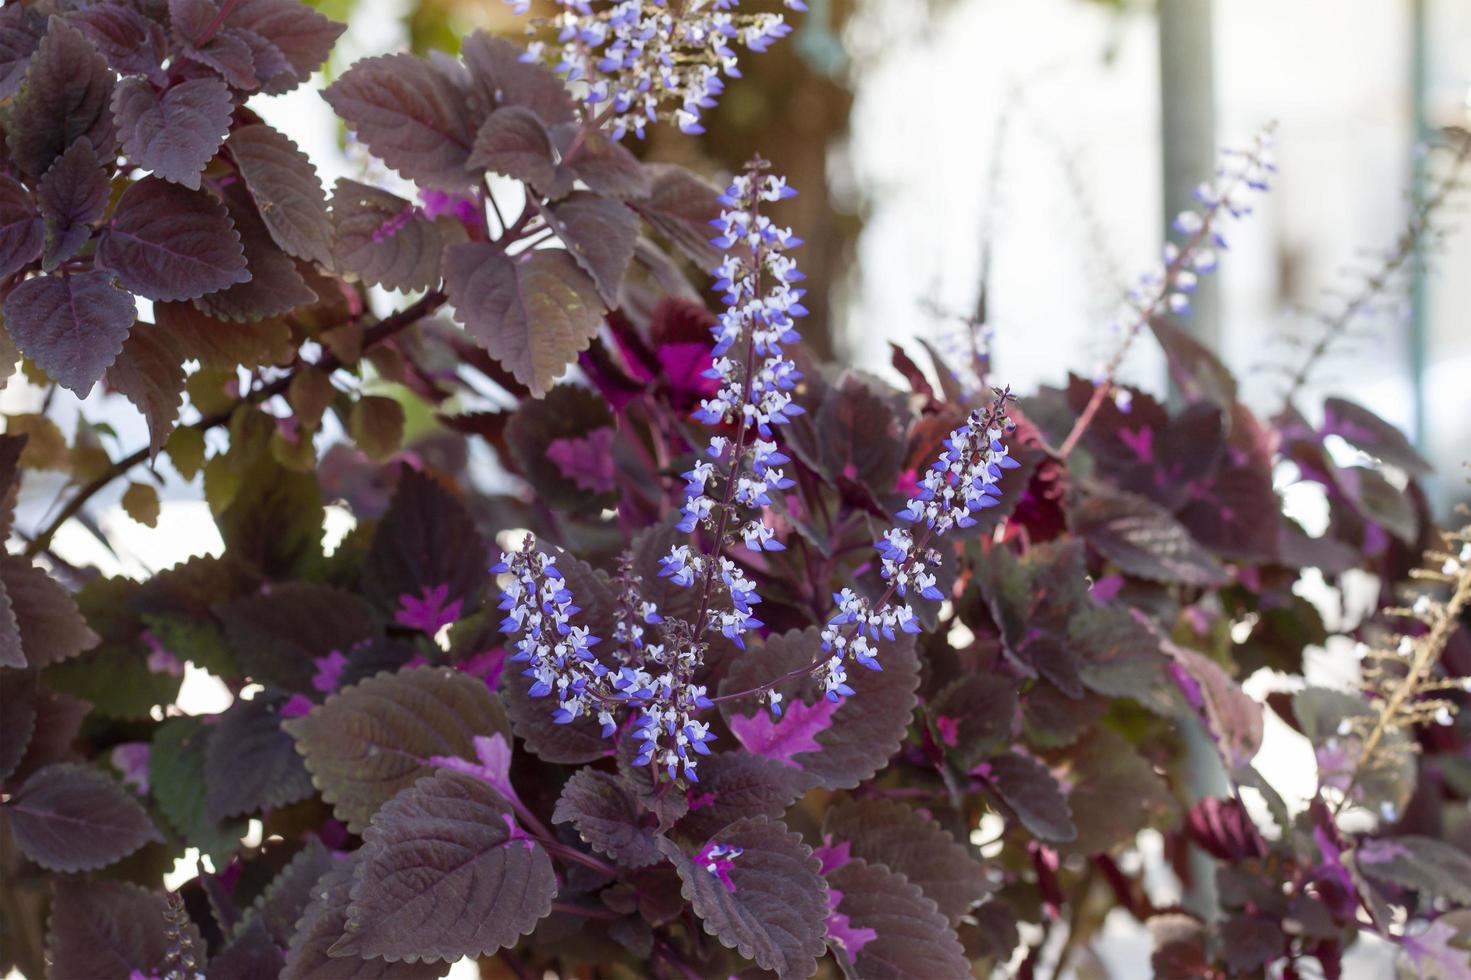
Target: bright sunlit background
<point x="1030" y="130"/>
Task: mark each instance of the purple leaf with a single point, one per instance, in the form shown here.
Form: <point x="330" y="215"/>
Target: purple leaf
<point x="493" y="765"/>
<point x="430" y="612"/>
<point x="427" y="541"/>
<point x="223" y="49"/>
<point x="1143" y="539"/>
<point x="605" y="165"/>
<point x="781" y="739"/>
<point x="409" y="116"/>
<point x="252" y="764"/>
<point x="769" y="905"/>
<point x="599" y="233"/>
<point x="167" y="242"/>
<point x="109" y="929"/>
<point x="17" y="707"/>
<point x="386" y="240"/>
<point x="607" y="817"/>
<point x="72" y="196"/>
<point x="1366" y="431"/>
<point x="533" y="313"/>
<point x="150" y="373"/>
<point x="75" y="818"/>
<point x="909" y="843"/>
<point x="72" y="325"/>
<point x="1115" y="793"/>
<point x="22" y="232"/>
<point x="1437" y="951"/>
<point x="303" y="36"/>
<point x="1234" y="721"/>
<point x="1434" y="868"/>
<point x="369" y="741"/>
<point x="885" y="926"/>
<point x="737" y="785"/>
<point x="499" y="76"/>
<point x="176" y="132"/>
<point x="249" y="954"/>
<point x="324" y="922"/>
<point x="682" y="205"/>
<point x="864" y="731"/>
<point x="21" y="30"/>
<point x="285" y="899"/>
<point x="515" y="142"/>
<point x="129" y="41"/>
<point x="275" y="287"/>
<point x="287" y="192"/>
<point x="68" y="87"/>
<point x="974" y="716"/>
<point x="567" y="413"/>
<point x="443" y="875"/>
<point x="1031" y="792"/>
<point x="277" y="635"/>
<point x="586" y="460"/>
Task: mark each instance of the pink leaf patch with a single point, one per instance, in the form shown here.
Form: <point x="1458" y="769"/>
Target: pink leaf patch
<point x="329" y="672"/>
<point x="586" y="460"/>
<point x="494" y="766"/>
<point x="796" y="732"/>
<point x="842" y="931"/>
<point x="428" y="614"/>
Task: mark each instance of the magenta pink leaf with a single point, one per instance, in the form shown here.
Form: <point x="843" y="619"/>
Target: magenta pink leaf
<point x="782" y="739"/>
<point x="586" y="460"/>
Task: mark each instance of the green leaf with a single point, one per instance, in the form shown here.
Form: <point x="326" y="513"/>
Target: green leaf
<point x="376" y="424"/>
<point x="176" y="779"/>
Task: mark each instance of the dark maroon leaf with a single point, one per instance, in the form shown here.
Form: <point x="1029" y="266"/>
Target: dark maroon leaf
<point x="18" y="708"/>
<point x="1115" y="793"/>
<point x="1196" y="370"/>
<point x="252" y="764"/>
<point x="1142" y="538"/>
<point x="50" y="625"/>
<point x="681" y="205"/>
<point x="218" y="345"/>
<point x="324" y="922"/>
<point x="167" y="242"/>
<point x="1031" y="792"/>
<point x="276" y="636"/>
<point x="129" y="41"/>
<point x="21" y="30"/>
<point x="533" y="313"/>
<point x="445" y="873"/>
<point x="303" y="36"/>
<point x="150" y="374"/>
<point x="276" y="287"/>
<point x="198" y="33"/>
<point x="599" y="233"/>
<point x="1236" y="513"/>
<point x="286" y="189"/>
<point x="426" y="541"/>
<point x="71" y="325"/>
<point x="409" y="116"/>
<point x="176" y="132"/>
<point x="499" y="77"/>
<point x="59" y="718"/>
<point x="74" y="818"/>
<point x="251" y="954"/>
<point x="973" y="716"/>
<point x="109" y="930"/>
<point x="22" y="233"/>
<point x="909" y="843"/>
<point x="567" y="412"/>
<point x="607" y="817"/>
<point x="1235" y="722"/>
<point x="515" y="142"/>
<point x="386" y="240"/>
<point x="281" y="905"/>
<point x="885" y="926"/>
<point x="770" y="905"/>
<point x="1364" y="430"/>
<point x="72" y="195"/>
<point x="1434" y="868"/>
<point x="68" y="88"/>
<point x="604" y="164"/>
<point x="866" y="729"/>
<point x="369" y="741"/>
<point x="736" y="785"/>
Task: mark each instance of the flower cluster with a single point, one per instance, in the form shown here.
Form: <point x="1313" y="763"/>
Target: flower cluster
<point x="718" y="859"/>
<point x="762" y="304"/>
<point x="1240" y="174"/>
<point x="538" y="607"/>
<point x="643" y="60"/>
<point x="965" y="479"/>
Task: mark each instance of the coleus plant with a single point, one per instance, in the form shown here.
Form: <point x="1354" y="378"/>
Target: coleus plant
<point x="763" y="666"/>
